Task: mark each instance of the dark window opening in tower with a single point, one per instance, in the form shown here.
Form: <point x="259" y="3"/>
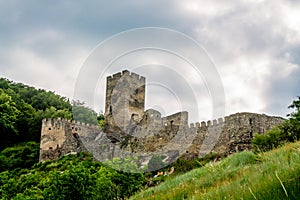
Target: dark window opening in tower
<point x="250" y="121"/>
<point x="110" y="109"/>
<point x="171" y="122"/>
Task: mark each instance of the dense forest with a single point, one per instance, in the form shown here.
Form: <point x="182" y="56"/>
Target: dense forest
<point x="22" y="109"/>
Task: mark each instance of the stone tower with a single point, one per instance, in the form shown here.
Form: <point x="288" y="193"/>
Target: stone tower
<point x="125" y="102"/>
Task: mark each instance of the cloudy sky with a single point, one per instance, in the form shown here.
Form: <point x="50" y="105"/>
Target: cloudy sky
<point x="253" y="44"/>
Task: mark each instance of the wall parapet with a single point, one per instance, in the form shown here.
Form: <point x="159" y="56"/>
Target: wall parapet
<point x="47" y="122"/>
<point x="231" y="118"/>
<point x="128" y="73"/>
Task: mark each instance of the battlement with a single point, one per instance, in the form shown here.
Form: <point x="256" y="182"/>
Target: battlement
<point x="209" y="123"/>
<point x="238" y="119"/>
<point x="126" y="73"/>
<point x="125" y="114"/>
<point x="58" y="123"/>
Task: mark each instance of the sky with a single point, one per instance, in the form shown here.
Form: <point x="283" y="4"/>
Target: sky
<point x="254" y="45"/>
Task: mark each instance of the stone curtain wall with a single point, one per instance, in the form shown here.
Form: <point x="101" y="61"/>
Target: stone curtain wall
<point x="60" y="137"/>
<point x="236" y="132"/>
<point x="147" y="131"/>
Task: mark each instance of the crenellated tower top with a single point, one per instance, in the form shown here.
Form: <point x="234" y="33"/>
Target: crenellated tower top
<point x="125" y="100"/>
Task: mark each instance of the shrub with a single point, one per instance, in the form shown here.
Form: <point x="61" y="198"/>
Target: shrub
<point x="20" y="156"/>
<point x="71" y="177"/>
<point x="289" y="131"/>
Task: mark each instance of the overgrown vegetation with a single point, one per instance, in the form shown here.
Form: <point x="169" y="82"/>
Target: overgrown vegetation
<point x="71" y="177"/>
<point x="245" y="175"/>
<point x="23" y="155"/>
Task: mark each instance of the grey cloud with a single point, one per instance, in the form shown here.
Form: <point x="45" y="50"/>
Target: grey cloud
<point x="281" y="90"/>
<point x="238" y="30"/>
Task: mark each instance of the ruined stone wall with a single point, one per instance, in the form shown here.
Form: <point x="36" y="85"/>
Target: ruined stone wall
<point x="128" y="125"/>
<point x="234" y="133"/>
<point x="60" y="137"/>
<point x="223" y="136"/>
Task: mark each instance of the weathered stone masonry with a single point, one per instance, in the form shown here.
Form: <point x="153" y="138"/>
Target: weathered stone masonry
<point x="148" y="130"/>
<point x="125" y="102"/>
<point x="60" y="137"/>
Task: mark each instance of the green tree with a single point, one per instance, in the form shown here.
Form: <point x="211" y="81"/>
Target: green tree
<point x="291" y="128"/>
<point x="84" y="114"/>
<point x="33" y="105"/>
<point x="101" y="120"/>
<point x="8" y="117"/>
<point x="296" y="106"/>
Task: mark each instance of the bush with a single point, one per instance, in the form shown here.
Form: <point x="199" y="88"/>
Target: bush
<point x="71" y="177"/>
<point x="20" y="156"/>
<point x="289" y="131"/>
<point x="270" y="140"/>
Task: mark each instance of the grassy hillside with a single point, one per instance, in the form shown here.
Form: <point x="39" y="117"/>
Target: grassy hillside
<point x="270" y="175"/>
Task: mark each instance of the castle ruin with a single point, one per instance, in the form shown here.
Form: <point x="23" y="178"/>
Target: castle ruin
<point x="131" y="130"/>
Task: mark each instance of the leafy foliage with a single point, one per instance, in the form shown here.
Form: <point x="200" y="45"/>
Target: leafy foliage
<point x="296" y="106"/>
<point x="22" y="110"/>
<point x="9" y="114"/>
<point x="124" y="164"/>
<point x="20" y="156"/>
<point x="101" y="120"/>
<point x="84" y="114"/>
<point x="71" y="177"/>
